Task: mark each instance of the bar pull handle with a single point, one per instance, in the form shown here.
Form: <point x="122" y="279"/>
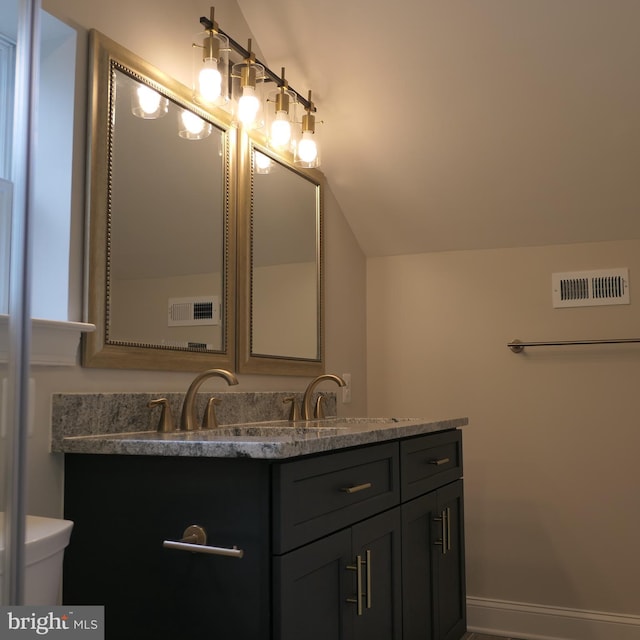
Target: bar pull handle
<point x="440" y="461"/>
<point x="194" y="539"/>
<point x="356" y="488"/>
<point x="368" y="562"/>
<point x="442" y="541"/>
<point x="357" y="567"/>
<point x="448" y="529"/>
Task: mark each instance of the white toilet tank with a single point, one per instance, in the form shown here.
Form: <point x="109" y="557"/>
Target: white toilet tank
<point x="46" y="540"/>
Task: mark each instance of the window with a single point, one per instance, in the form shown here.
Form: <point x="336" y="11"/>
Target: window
<point x="7" y="79"/>
<point x="52" y="179"/>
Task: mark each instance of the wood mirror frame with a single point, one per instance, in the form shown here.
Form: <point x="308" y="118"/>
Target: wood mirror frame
<point x="279" y="360"/>
<point x="100" y="349"/>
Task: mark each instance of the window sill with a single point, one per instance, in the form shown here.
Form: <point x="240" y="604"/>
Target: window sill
<point x="53" y="342"/>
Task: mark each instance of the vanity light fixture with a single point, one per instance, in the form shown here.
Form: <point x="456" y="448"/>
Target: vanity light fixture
<point x="247" y="85"/>
<point x="281" y="115"/>
<point x="211" y="65"/>
<point x="307" y="153"/>
<point x="147" y="103"/>
<point x="193" y="127"/>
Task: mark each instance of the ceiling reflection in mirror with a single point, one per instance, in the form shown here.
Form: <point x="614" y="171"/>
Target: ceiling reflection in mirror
<point x="166" y="225"/>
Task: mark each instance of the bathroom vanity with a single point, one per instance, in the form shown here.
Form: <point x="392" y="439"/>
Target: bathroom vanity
<point x="332" y="529"/>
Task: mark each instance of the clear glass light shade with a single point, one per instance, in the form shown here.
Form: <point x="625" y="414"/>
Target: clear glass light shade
<point x="210" y="69"/>
<point x="248" y="87"/>
<point x="147" y="103"/>
<point x="192" y="126"/>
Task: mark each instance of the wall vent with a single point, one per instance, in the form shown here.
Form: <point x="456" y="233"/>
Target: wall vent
<point x="590" y="288"/>
<point x="197" y="310"/>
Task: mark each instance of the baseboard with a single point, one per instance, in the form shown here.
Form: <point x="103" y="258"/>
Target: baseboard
<point x="537" y="622"/>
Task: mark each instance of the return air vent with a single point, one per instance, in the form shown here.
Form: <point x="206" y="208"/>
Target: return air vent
<point x="197" y="310"/>
<point x="590" y="288"/>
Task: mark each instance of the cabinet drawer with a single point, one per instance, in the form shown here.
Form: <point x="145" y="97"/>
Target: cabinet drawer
<point x="316" y="496"/>
<point x="429" y="462"/>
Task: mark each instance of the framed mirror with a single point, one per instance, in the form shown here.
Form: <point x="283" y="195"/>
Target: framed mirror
<point x="280" y="283"/>
<point x="161" y="221"/>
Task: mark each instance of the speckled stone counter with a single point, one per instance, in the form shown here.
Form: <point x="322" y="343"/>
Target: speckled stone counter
<point x="121" y="424"/>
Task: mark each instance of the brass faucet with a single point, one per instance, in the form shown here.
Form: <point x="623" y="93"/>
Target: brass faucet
<point x="165" y="424"/>
<point x="307" y="411"/>
<point x="188" y="420"/>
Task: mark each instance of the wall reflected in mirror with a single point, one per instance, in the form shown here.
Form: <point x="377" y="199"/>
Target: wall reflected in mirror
<point x="280" y="276"/>
<point x="284" y="290"/>
<point x="166" y="222"/>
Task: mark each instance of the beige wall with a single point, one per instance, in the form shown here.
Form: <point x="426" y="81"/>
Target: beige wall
<point x="550" y="455"/>
<point x="161" y="32"/>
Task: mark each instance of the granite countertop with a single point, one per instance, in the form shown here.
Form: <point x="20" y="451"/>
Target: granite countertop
<point x="267" y="440"/>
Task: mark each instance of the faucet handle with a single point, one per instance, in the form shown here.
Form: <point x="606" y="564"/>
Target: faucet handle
<point x="165" y="424"/>
<point x="210" y="420"/>
<point x="319" y="412"/>
<point x="294" y="414"/>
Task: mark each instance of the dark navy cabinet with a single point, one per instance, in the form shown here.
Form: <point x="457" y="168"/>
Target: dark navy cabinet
<point x="358" y="544"/>
<point x="433" y="573"/>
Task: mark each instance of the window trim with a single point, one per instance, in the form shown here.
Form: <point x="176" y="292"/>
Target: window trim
<point x="53" y="342"/>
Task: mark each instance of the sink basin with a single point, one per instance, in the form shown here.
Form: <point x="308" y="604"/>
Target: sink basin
<point x="299" y="430"/>
<point x="324" y="426"/>
<point x="267" y="430"/>
<point x="348" y="421"/>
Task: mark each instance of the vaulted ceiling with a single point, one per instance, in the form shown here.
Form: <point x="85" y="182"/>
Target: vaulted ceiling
<point x="469" y="124"/>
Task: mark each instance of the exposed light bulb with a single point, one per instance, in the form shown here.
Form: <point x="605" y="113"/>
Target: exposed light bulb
<point x="210" y="81"/>
<point x="148" y="99"/>
<point x="280" y="129"/>
<point x="263" y="162"/>
<point x="192" y="123"/>
<point x="307" y="148"/>
<point x="248" y="105"/>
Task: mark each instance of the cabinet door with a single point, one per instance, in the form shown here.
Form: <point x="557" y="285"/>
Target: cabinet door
<point x="417" y="567"/>
<point x="451" y="617"/>
<point x="311" y="587"/>
<point x="317" y="590"/>
<point x="124" y="507"/>
<point x="433" y="579"/>
<point x="378" y="542"/>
